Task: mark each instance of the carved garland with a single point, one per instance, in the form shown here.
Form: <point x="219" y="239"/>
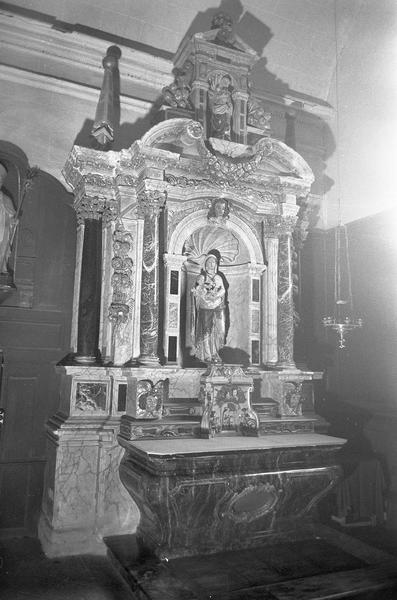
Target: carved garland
<point x="121" y="306"/>
<point x="228" y="170"/>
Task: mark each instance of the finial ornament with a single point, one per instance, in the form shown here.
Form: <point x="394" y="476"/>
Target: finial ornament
<point x="103" y="128"/>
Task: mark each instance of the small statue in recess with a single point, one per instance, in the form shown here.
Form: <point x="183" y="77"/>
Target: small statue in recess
<point x="177" y="94"/>
<point x="258" y="116"/>
<point x="7" y="223"/>
<point x="221" y="107"/>
<point x="208" y="313"/>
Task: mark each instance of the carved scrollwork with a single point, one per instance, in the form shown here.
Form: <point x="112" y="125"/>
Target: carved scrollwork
<point x="150" y="399"/>
<point x="267" y="197"/>
<point x="123" y="179"/>
<point x="98" y="180"/>
<point x="183" y="181"/>
<point x="194" y="129"/>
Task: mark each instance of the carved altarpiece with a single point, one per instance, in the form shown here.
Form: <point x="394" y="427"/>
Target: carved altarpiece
<point x="160" y="207"/>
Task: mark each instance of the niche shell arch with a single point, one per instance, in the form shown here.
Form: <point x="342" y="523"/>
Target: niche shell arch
<point x="192" y="223"/>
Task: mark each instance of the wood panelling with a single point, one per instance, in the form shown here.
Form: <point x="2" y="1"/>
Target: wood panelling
<point x="34" y="336"/>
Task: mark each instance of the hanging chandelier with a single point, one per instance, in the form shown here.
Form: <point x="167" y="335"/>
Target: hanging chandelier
<point x="343" y="320"/>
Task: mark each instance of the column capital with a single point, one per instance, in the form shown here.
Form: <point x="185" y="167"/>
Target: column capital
<point x="200" y="84"/>
<point x="150" y="202"/>
<point x="95" y="207"/>
<point x="256" y="270"/>
<point x="275" y="226"/>
<point x="92" y="176"/>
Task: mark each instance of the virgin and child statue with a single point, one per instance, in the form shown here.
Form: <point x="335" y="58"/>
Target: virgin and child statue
<point x="208" y="313"/>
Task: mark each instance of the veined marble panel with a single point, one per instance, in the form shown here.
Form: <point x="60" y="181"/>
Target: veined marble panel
<point x="83" y="496"/>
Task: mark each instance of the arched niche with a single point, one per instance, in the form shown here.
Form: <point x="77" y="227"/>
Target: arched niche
<point x="241" y="267"/>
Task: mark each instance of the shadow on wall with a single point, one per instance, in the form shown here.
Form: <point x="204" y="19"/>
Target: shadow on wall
<point x="257" y="35"/>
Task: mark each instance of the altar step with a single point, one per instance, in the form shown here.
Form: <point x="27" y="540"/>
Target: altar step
<point x="185" y="427"/>
<point x="265" y="408"/>
<point x="307" y="569"/>
<point x="182" y="418"/>
<point x="269" y="426"/>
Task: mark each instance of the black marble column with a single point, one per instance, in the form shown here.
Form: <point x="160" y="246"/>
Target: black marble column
<point x="90" y="292"/>
<point x="150" y="204"/>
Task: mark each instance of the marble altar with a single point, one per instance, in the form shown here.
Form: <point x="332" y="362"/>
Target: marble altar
<point x="203" y="213"/>
<point x="225" y="493"/>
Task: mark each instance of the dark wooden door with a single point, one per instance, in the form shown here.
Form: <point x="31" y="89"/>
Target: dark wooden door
<point x="34" y="335"/>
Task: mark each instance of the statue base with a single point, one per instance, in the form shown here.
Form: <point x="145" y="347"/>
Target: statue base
<point x="225" y="394"/>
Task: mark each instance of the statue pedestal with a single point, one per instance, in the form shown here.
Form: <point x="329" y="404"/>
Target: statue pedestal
<point x="225" y="394"/>
<point x="226" y="492"/>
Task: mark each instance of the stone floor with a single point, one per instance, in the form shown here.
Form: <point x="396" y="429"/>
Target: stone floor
<point x="26" y="574"/>
<point x="331" y="565"/>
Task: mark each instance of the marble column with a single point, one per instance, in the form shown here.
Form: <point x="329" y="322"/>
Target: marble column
<point x="239" y="127"/>
<point x="90" y="289"/>
<point x="285" y="312"/>
<point x="149" y="208"/>
<point x="199" y="100"/>
<point x="269" y="303"/>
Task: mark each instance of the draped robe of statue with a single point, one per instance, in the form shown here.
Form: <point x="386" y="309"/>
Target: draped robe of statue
<point x="208" y="314"/>
<point x="221" y="108"/>
<point x="7" y="221"/>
